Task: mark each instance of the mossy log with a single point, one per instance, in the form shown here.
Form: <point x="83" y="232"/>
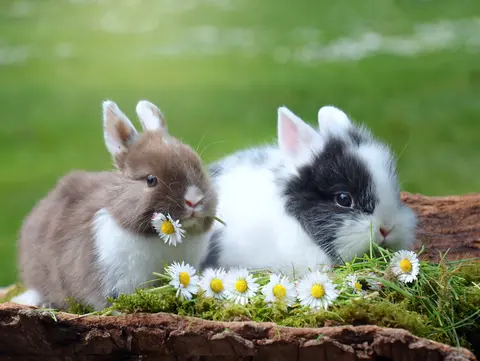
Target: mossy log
<point x="446" y="223"/>
<point x="27" y="334"/>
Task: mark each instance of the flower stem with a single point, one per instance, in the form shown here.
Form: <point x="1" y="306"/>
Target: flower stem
<point x="219" y="220"/>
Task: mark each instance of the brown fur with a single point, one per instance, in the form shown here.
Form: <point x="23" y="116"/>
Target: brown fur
<point x="56" y="255"/>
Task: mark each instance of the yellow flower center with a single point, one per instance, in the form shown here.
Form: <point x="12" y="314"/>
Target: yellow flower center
<point x="216" y="285"/>
<point x="167" y="227"/>
<point x="241" y="286"/>
<point x="279" y="291"/>
<point x="358" y="286"/>
<point x="318" y="291"/>
<point x="405" y="265"/>
<point x="184" y="279"/>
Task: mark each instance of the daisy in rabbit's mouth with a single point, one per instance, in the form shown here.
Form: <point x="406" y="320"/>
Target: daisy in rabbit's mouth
<point x="168" y="229"/>
<point x="172" y="231"/>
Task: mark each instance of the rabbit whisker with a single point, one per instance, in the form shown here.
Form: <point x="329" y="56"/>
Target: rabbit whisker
<point x="350" y="234"/>
<point x="173" y="200"/>
<point x="166" y="185"/>
<point x="405" y="147"/>
<point x="201" y="139"/>
<point x="204" y="149"/>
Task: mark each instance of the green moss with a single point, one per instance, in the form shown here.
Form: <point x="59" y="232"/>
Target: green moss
<point x="363" y="311"/>
<point x="469" y="270"/>
<point x="78" y="308"/>
<point x="443" y="304"/>
<point x="386" y="314"/>
<point x="146" y="301"/>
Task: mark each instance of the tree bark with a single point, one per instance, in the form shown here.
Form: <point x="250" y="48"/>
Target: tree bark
<point x="449" y="223"/>
<point x="27" y="334"/>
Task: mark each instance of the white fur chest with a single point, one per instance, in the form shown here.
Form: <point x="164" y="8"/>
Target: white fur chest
<point x="266" y="237"/>
<point x="127" y="260"/>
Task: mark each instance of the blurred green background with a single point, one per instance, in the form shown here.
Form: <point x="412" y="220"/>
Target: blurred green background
<point x="220" y="68"/>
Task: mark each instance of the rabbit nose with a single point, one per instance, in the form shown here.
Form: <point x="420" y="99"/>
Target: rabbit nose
<point x="384" y="232"/>
<point x="190" y="203"/>
<point x="193" y="196"/>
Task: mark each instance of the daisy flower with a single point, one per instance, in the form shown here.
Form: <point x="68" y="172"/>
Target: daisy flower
<point x="213" y="283"/>
<point x="316" y="290"/>
<point x="169" y="230"/>
<point x="183" y="279"/>
<point x="354" y="284"/>
<point x="280" y="289"/>
<point x="240" y="286"/>
<point x="405" y="266"/>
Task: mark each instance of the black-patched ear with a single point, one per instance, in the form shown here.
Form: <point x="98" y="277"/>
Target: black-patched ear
<point x="118" y="130"/>
<point x="296" y="139"/>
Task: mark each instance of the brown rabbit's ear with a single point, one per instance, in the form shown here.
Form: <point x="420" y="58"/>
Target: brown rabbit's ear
<point x="150" y="116"/>
<point x="118" y="130"/>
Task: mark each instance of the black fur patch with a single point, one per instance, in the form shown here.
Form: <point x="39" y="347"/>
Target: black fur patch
<point x="215" y="169"/>
<point x="114" y="293"/>
<point x="356" y="136"/>
<point x="213" y="252"/>
<point x="310" y="197"/>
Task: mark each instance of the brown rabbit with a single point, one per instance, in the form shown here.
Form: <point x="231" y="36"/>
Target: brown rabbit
<point x="91" y="236"/>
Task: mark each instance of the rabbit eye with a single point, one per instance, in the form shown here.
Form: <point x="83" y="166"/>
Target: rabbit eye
<point x="344" y="199"/>
<point x="152" y="181"/>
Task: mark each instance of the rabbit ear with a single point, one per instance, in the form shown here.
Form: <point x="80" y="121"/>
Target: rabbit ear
<point x="118" y="131"/>
<point x="332" y="120"/>
<point x="295" y="137"/>
<point x="150" y="116"/>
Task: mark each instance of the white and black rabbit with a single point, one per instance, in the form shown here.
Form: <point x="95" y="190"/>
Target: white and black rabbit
<point x="313" y="199"/>
<point x="91" y="236"/>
